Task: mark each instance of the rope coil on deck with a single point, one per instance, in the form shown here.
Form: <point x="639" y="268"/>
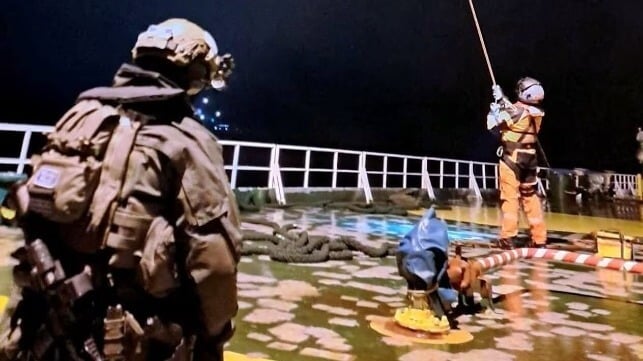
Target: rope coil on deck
<point x="288" y="246"/>
<point x="503" y="258"/>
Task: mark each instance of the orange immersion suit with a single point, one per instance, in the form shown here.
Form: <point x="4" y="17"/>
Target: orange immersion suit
<point x="517" y="170"/>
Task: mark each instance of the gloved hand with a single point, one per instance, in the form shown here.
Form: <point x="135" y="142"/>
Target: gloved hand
<point x="492" y="122"/>
<point x="492" y="117"/>
<point x="497" y="92"/>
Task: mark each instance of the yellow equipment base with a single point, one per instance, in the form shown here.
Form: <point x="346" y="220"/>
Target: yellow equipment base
<point x="421" y="320"/>
<point x="388" y="327"/>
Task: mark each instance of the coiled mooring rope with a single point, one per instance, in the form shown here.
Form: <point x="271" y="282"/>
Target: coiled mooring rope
<point x="289" y="246"/>
<point x="503" y="258"/>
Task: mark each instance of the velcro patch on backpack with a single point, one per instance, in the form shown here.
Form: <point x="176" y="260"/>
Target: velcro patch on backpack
<point x="47" y="177"/>
<point x="62" y="186"/>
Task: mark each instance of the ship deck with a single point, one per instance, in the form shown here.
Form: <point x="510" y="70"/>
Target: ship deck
<point x="545" y="310"/>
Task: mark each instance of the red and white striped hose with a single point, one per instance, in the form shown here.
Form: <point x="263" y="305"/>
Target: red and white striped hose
<point x="506" y="257"/>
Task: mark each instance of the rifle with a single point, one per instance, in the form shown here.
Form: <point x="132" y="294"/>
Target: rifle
<point x="68" y="325"/>
<point x="66" y="322"/>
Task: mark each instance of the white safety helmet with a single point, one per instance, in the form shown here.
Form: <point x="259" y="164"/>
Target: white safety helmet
<point x="186" y="44"/>
<point x="530" y="91"/>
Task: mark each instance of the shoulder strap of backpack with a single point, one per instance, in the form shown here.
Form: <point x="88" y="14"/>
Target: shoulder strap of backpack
<point x="113" y="171"/>
<point x="75" y="130"/>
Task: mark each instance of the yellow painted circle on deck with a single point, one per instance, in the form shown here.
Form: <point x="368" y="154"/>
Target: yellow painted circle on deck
<point x="7" y="213"/>
<point x="233" y="356"/>
<point x="3" y="303"/>
<point x="388" y="327"/>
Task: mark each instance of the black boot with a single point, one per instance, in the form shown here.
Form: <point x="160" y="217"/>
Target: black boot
<point x="533" y="244"/>
<point x="506" y="243"/>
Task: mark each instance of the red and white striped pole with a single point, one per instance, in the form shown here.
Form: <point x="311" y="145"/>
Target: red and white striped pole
<point x="506" y="257"/>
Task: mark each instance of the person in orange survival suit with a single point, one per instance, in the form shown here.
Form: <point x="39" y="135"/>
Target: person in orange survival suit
<point x="518" y="125"/>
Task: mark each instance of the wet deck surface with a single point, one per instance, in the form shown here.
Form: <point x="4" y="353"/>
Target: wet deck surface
<point x="321" y="311"/>
<point x="553" y="311"/>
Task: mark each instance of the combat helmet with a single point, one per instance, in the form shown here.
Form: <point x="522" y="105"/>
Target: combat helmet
<point x="186" y="44"/>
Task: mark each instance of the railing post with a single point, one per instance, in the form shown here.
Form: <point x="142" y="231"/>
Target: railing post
<point x="275" y="182"/>
<point x="618" y="192"/>
<point x="235" y="166"/>
<point x="426" y="180"/>
<point x="384" y="171"/>
<point x="457" y="174"/>
<point x="307" y="169"/>
<point x="359" y="170"/>
<point x="271" y="179"/>
<point x="362" y="179"/>
<point x="484" y="176"/>
<point x="24" y="148"/>
<point x="441" y="174"/>
<point x="473" y="184"/>
<point x="404" y="173"/>
<point x="335" y="161"/>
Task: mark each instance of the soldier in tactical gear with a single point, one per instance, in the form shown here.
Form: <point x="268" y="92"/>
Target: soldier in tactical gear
<point x="132" y="234"/>
<point x="518" y="125"/>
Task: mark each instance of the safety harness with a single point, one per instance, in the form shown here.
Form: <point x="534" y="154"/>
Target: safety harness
<point x="522" y="169"/>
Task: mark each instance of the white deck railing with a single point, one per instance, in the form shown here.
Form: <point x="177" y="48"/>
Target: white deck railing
<point x="279" y="167"/>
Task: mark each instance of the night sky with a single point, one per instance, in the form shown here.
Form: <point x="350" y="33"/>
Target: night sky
<point x="397" y="75"/>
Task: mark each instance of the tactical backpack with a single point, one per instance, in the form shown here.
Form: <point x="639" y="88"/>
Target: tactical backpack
<point x="80" y="171"/>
